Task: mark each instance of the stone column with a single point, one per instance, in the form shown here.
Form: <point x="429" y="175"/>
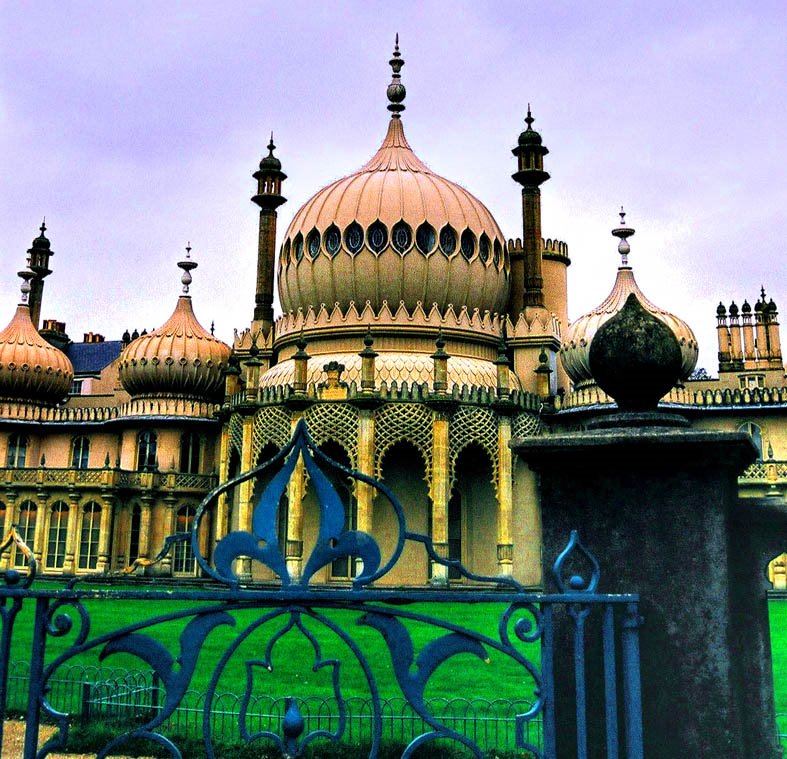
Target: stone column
<point x="104" y="535"/>
<point x="168" y="522"/>
<point x="246" y="492"/>
<point x="39" y="534"/>
<point x="144" y="527"/>
<point x="69" y="562"/>
<point x="295" y="492"/>
<point x="658" y="506"/>
<point x="364" y="494"/>
<point x="221" y="525"/>
<point x="440" y="493"/>
<point x="505" y="510"/>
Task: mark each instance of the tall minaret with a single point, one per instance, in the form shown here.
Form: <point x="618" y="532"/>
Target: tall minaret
<point x="38" y="261"/>
<point x="531" y="175"/>
<point x="268" y="198"/>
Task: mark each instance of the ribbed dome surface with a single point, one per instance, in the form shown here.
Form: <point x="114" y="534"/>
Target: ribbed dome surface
<point x="575" y="351"/>
<point x="31" y="368"/>
<point x="179" y="359"/>
<point x="394" y="231"/>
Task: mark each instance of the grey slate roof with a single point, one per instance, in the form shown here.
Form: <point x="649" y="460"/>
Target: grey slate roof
<point x="91" y="358"/>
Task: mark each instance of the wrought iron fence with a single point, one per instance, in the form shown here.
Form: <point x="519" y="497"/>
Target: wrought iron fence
<point x="121" y="697"/>
<point x="254" y="622"/>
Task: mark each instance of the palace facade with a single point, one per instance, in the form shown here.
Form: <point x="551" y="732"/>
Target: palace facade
<point x="416" y="340"/>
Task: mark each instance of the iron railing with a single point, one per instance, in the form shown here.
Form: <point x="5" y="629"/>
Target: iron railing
<point x="532" y="636"/>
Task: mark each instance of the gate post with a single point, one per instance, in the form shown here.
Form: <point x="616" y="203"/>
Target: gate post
<point x="659" y="506"/>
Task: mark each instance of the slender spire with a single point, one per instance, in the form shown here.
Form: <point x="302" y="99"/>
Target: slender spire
<point x="396" y="91"/>
<point x="623" y="233"/>
<point x="187" y="265"/>
<point x="529" y="119"/>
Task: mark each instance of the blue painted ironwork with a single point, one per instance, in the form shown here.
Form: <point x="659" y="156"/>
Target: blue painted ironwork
<point x="315" y="615"/>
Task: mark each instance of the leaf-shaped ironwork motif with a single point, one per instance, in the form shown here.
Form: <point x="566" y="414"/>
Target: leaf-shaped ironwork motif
<point x="413" y="682"/>
<point x="333" y="540"/>
<point x="576" y="583"/>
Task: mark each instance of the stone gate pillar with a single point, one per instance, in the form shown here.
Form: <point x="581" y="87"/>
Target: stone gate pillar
<point x="657" y="503"/>
<point x="659" y="508"/>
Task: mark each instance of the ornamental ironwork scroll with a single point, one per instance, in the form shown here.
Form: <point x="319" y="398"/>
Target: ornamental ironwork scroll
<point x="392" y="640"/>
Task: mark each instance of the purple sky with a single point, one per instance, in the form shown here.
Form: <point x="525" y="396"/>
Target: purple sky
<point x="135" y="126"/>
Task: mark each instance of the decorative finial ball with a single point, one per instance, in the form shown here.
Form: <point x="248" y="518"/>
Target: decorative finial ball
<point x="635" y="358"/>
<point x="396" y="92"/>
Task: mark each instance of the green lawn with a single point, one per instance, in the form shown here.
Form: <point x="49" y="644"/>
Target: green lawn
<point x="293" y="657"/>
<point x="778" y="616"/>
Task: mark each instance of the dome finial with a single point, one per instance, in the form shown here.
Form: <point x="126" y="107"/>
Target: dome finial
<point x="396" y="91"/>
<point x="187" y="265"/>
<point x="25" y="275"/>
<point x="271" y="146"/>
<point x="623" y="232"/>
<point x="529" y="119"/>
<point x="43" y="226"/>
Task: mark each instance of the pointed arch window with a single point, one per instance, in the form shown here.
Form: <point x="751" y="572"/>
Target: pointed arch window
<point x="353" y="238"/>
<point x="89" y="535"/>
<point x="56" y="539"/>
<point x="147" y="444"/>
<point x="313" y="244"/>
<point x="483" y="248"/>
<point x="26" y="527"/>
<point x="467" y="244"/>
<point x="17" y="450"/>
<point x="425" y="238"/>
<point x="378" y="237"/>
<point x="401" y="237"/>
<point x="183" y="560"/>
<point x="333" y="240"/>
<point x="448" y="240"/>
<point x="297" y="246"/>
<point x="80" y="452"/>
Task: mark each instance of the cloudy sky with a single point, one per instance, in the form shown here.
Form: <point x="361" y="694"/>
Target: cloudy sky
<point x="134" y="127"/>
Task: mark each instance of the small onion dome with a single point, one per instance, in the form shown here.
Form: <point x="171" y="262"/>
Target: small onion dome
<point x="530" y="136"/>
<point x="270" y="162"/>
<point x="30" y="368"/>
<point x="734" y="309"/>
<point x="179" y="359"/>
<point x="394" y="231"/>
<point x="575" y="351"/>
<point x="746" y="308"/>
<point x="721" y="310"/>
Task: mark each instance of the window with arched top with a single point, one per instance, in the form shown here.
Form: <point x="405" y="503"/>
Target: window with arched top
<point x="755" y="433"/>
<point x="89" y="535"/>
<point x="56" y="539"/>
<point x="80" y="452"/>
<point x="2" y="519"/>
<point x="189" y="452"/>
<point x="183" y="560"/>
<point x="17" y="450"/>
<point x="26" y="529"/>
<point x="147" y="443"/>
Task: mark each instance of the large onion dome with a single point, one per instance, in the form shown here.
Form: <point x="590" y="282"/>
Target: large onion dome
<point x="180" y="359"/>
<point x="394" y="231"/>
<point x="575" y="351"/>
<point x="30" y="368"/>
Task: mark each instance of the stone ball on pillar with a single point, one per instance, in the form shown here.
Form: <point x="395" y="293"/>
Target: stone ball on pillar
<point x="635" y="358"/>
